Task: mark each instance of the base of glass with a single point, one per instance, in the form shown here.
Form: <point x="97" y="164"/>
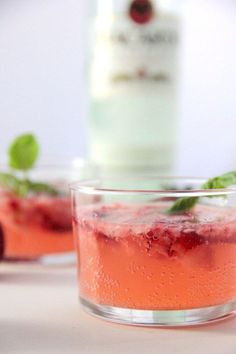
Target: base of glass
<point x="49" y="259"/>
<point x="160" y="318"/>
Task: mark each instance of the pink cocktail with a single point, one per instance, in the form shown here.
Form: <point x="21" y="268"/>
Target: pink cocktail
<point x="38" y="223"/>
<point x="138" y="264"/>
<point x="35" y="226"/>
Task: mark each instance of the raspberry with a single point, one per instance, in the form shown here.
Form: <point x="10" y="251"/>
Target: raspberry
<point x="53" y="213"/>
<point x="191" y="240"/>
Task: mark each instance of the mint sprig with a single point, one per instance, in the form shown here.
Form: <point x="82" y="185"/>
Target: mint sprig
<point x="220" y="182"/>
<point x="226" y="180"/>
<point x="22" y="156"/>
<point x="24" y="187"/>
<point x="23" y="152"/>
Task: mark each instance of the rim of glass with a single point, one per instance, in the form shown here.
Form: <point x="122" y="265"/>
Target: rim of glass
<point x="48" y="162"/>
<point x="89" y="187"/>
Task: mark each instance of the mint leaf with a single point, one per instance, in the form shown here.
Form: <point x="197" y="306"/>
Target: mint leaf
<point x="224" y="181"/>
<point x="183" y="204"/>
<point x="38" y="187"/>
<point x="14" y="184"/>
<point x="23" y="187"/>
<point x="22" y="155"/>
<point x="220" y="182"/>
<point x="23" y="152"/>
<point x="8" y="181"/>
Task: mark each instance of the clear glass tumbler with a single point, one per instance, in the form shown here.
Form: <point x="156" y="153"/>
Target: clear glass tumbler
<point x="35" y="224"/>
<point x="139" y="264"/>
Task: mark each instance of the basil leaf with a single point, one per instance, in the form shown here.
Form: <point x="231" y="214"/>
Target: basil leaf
<point x="220" y="182"/>
<point x="23" y="152"/>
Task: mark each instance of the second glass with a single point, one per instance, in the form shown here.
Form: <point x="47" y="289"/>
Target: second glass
<point x="37" y="226"/>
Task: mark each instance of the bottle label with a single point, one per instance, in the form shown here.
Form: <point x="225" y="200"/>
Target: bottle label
<point x="134" y="51"/>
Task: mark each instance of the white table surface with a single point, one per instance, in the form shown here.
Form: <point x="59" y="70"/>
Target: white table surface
<point x="39" y="313"/>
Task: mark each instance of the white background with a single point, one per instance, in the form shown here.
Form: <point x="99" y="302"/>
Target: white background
<point x="42" y="72"/>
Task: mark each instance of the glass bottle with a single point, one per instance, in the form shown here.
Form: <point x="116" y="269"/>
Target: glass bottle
<point x="133" y="84"/>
